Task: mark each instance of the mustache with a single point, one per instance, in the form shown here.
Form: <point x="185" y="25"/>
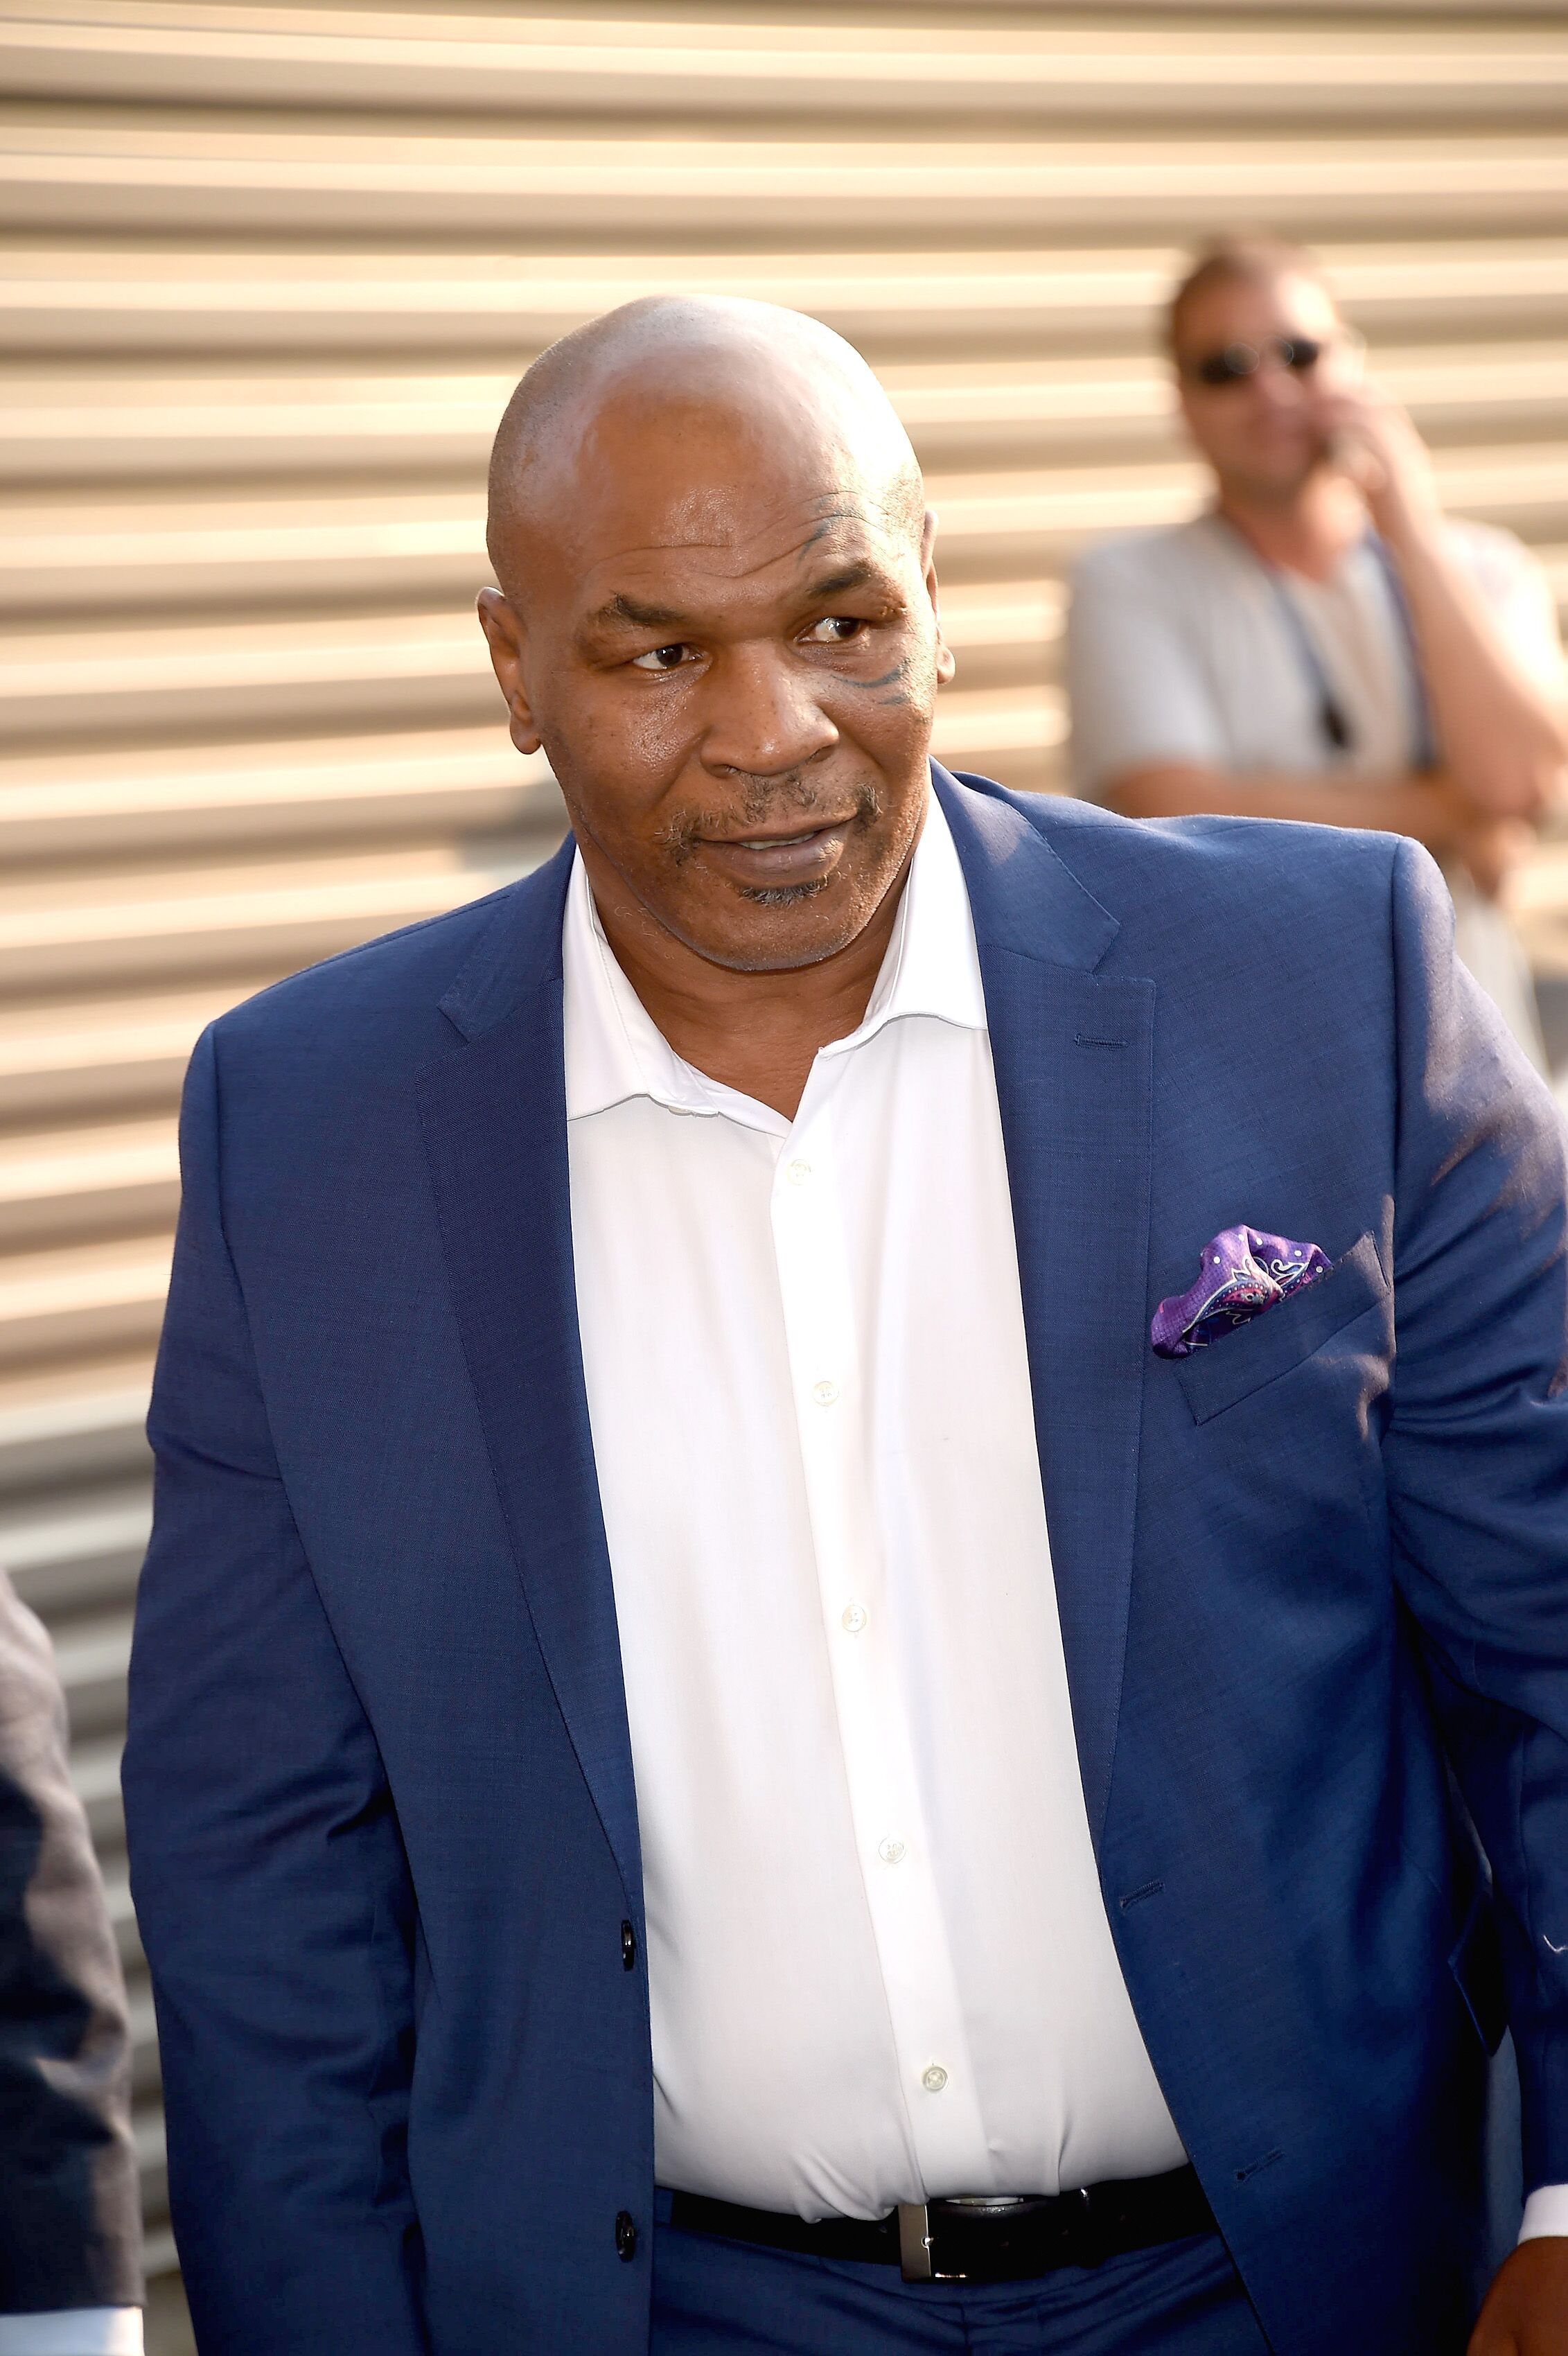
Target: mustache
<point x="781" y="797"/>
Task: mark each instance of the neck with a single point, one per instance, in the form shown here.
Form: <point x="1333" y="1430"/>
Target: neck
<point x="757" y="1033"/>
<point x="1307" y="531"/>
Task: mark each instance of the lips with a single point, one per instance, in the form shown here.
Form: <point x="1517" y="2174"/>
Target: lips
<point x="803" y="855"/>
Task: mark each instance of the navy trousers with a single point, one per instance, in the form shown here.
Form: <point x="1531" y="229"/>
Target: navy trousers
<point x="1183" y="2299"/>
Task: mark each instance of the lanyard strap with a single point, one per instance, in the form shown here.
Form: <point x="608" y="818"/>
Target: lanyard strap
<point x="1331" y="717"/>
<point x="1423" y="729"/>
<point x="1332" y="721"/>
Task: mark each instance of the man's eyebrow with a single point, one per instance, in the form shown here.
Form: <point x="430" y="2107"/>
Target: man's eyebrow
<point x="633" y="615"/>
<point x="834" y="585"/>
<point x="630" y="612"/>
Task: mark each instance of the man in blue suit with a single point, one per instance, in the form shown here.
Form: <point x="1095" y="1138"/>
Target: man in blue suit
<point x="723" y="1756"/>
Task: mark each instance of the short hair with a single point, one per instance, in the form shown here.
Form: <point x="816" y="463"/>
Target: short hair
<point x="1225" y="261"/>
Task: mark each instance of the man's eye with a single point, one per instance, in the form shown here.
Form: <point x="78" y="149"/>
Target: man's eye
<point x="659" y="658"/>
<point x="836" y="629"/>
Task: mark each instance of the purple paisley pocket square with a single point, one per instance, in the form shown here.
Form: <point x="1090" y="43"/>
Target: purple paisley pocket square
<point x="1241" y="1273"/>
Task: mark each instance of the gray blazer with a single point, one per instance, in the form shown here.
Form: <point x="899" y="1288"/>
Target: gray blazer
<point x="69" y="2224"/>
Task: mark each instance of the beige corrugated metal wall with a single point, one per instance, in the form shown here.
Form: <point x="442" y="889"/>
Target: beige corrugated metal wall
<point x="267" y="275"/>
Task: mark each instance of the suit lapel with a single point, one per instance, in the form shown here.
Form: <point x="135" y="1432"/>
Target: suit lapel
<point x="1073" y="1053"/>
<point x="495" y="1122"/>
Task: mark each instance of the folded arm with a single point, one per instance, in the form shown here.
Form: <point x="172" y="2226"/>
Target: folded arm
<point x="1429" y="808"/>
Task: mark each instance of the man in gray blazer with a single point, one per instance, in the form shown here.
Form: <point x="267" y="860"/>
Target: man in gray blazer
<point x="71" y="2276"/>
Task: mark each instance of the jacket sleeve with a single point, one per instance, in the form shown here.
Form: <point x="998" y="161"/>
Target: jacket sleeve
<point x="1476" y="1456"/>
<point x="70" y="2234"/>
<point x="268" y="1872"/>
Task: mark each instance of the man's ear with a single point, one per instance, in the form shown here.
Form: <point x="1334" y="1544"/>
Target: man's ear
<point x="947" y="660"/>
<point x="501" y="626"/>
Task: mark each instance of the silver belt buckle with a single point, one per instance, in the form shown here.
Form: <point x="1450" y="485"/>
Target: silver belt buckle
<point x="915" y="2242"/>
<point x="915" y="2259"/>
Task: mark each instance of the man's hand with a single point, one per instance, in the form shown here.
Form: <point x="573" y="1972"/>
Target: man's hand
<point x="1491" y="848"/>
<point x="1372" y="441"/>
<point x="1456" y="829"/>
<point x="1525" y="2313"/>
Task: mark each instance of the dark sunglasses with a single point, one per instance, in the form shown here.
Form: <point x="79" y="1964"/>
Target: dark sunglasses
<point x="1237" y="363"/>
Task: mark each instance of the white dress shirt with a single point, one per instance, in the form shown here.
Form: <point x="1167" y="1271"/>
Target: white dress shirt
<point x="878" y="1959"/>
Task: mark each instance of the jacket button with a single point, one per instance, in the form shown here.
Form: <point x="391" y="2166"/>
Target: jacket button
<point x="628" y="1948"/>
<point x="625" y="2237"/>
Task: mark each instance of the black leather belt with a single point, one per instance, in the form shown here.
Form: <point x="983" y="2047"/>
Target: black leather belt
<point x="983" y="2240"/>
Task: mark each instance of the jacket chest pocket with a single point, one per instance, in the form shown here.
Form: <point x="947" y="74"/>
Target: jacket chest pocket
<point x="1270" y="1345"/>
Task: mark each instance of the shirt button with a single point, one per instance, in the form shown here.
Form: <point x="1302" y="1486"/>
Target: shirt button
<point x="855" y="1617"/>
<point x="797" y="1173"/>
<point x="890" y="1850"/>
<point x="933" y="2079"/>
<point x="824" y="1393"/>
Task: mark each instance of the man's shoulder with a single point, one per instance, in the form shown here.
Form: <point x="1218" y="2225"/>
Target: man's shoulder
<point x="1287" y="937"/>
<point x="388" y="993"/>
<point x="1204" y="855"/>
<point x="1166" y="556"/>
<point x="1497" y="560"/>
<point x="1215" y="893"/>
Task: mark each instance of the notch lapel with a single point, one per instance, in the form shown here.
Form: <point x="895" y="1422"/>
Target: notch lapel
<point x="495" y="1124"/>
<point x="1073" y="1058"/>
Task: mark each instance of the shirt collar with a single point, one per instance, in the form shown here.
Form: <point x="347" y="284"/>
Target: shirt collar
<point x="614" y="1050"/>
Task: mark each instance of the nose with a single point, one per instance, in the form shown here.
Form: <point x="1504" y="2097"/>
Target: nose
<point x="763" y="717"/>
<point x="1276" y="381"/>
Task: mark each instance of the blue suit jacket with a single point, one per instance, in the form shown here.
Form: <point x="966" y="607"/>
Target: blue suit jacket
<point x="1313" y="1587"/>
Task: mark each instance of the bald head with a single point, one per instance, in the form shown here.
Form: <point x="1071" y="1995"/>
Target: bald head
<point x="717" y="616"/>
<point x="747" y="375"/>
